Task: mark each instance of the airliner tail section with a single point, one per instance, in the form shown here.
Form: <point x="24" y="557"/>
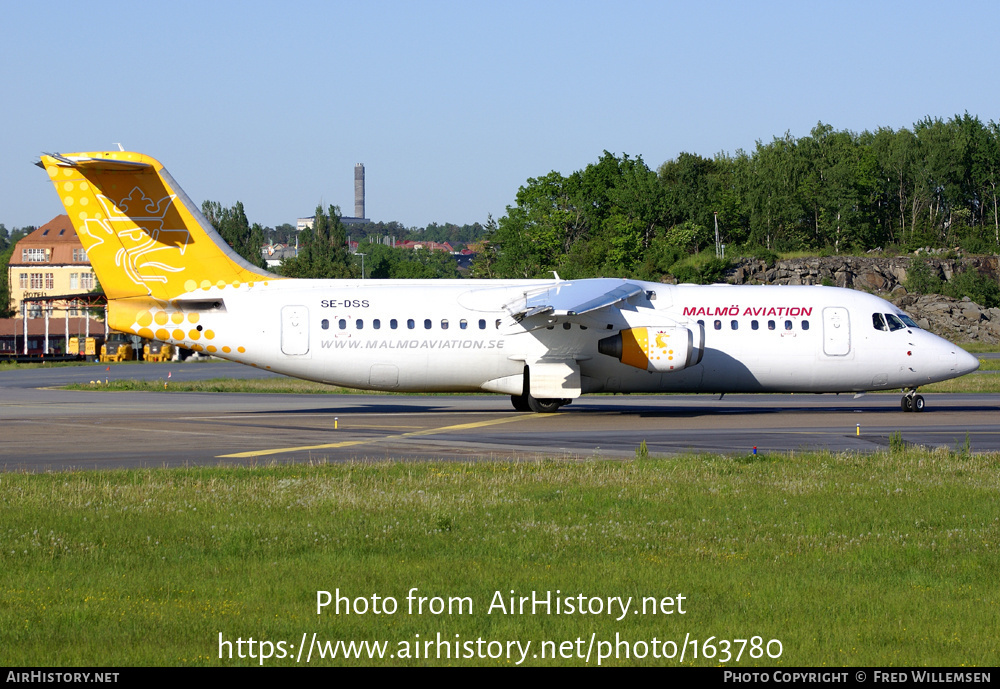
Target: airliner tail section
<point x="143" y="235"/>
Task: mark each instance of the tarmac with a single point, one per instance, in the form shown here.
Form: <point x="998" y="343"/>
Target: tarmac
<point x="48" y="429"/>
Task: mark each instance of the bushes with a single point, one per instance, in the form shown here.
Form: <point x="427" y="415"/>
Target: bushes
<point x="980" y="288"/>
<point x="703" y="269"/>
<point x="971" y="283"/>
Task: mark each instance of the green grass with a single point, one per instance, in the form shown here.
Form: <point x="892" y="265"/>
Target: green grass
<point x="971" y="383"/>
<point x="258" y="385"/>
<point x="980" y="347"/>
<point x="253" y="385"/>
<point x="885" y="559"/>
<point x="14" y="366"/>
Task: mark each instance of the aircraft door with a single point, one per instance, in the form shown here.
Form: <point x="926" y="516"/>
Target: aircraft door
<point x="294" y="330"/>
<point x="836" y="331"/>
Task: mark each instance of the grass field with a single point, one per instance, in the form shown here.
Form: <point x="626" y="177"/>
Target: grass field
<point x="258" y="385"/>
<point x="969" y="383"/>
<point x="885" y="559"/>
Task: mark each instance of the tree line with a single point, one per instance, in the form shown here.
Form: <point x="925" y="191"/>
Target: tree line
<point x="828" y="192"/>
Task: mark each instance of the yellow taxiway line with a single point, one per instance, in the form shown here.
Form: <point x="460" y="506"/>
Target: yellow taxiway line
<point x="366" y="441"/>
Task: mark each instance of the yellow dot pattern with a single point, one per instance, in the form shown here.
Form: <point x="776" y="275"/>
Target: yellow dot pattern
<point x="141" y="321"/>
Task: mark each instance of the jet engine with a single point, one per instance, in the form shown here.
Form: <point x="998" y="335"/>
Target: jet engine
<point x="665" y="349"/>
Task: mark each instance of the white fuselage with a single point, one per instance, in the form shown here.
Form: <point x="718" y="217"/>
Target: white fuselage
<point x="458" y="336"/>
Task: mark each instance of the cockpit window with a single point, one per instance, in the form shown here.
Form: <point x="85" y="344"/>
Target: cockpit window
<point x="894" y="322"/>
<point x="909" y="321"/>
<point x="879" y="322"/>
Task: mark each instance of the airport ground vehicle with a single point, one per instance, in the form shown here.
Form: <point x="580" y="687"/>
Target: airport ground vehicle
<point x="118" y="347"/>
<point x="155" y="350"/>
<point x="83" y="346"/>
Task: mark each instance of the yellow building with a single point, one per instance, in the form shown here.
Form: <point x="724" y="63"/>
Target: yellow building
<point x="49" y="262"/>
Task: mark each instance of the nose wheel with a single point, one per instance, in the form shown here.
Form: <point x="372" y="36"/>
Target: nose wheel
<point x="911" y="401"/>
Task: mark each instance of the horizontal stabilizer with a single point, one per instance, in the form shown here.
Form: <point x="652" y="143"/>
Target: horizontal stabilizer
<point x="91" y="163"/>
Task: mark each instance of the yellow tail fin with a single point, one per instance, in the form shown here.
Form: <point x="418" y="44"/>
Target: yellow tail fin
<point x="143" y="235"/>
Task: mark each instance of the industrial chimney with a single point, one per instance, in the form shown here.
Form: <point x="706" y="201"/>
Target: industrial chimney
<point x="359" y="191"/>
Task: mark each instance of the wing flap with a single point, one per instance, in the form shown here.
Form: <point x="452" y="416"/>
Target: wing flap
<point x="573" y="298"/>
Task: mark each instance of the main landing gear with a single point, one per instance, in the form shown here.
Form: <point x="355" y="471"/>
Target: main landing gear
<point x="528" y="403"/>
<point x="525" y="402"/>
<point x="911" y="401"/>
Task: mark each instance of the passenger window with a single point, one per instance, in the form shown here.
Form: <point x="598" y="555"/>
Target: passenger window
<point x="878" y="322"/>
<point x="342" y="324"/>
<point x="894" y="322"/>
<point x="376" y="324"/>
<point x="444" y="324"/>
<point x="410" y="323"/>
<point x="770" y="325"/>
<point x="718" y="325"/>
<point x="325" y="324"/>
<point x="805" y="325"/>
<point x="788" y="325"/>
<point x="427" y="324"/>
<point x="463" y="324"/>
<point x="754" y="325"/>
<point x="735" y="325"/>
<point x="583" y="327"/>
<point x="393" y="323"/>
<point x="701" y="323"/>
<point x="482" y="324"/>
<point x="359" y="324"/>
<point x="567" y="326"/>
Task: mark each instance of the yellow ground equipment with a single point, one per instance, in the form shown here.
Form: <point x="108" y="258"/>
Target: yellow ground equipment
<point x="158" y="351"/>
<point x="89" y="346"/>
<point x="117" y="348"/>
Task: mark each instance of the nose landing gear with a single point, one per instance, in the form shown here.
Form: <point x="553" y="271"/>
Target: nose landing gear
<point x="911" y="401"/>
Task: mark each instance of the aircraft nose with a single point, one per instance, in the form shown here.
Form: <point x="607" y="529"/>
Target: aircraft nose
<point x="966" y="362"/>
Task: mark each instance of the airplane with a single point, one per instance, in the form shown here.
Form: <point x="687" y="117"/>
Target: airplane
<point x="169" y="276"/>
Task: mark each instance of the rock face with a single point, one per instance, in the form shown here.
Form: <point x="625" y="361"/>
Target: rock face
<point x="956" y="320"/>
<point x="856" y="272"/>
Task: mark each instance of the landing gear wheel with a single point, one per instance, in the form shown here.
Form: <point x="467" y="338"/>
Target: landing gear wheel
<point x="912" y="401"/>
<point x="520" y="402"/>
<point x="546" y="406"/>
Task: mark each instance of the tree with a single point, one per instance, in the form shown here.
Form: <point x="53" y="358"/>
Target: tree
<point x="323" y="250"/>
<point x="5" y="310"/>
<point x="597" y="220"/>
<point x="233" y="226"/>
<point x="385" y="262"/>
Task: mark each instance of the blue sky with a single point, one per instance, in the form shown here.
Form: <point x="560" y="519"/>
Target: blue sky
<point x="452" y="106"/>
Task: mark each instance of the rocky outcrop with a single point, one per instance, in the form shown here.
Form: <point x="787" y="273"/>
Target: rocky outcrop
<point x="856" y="272"/>
<point x="957" y="320"/>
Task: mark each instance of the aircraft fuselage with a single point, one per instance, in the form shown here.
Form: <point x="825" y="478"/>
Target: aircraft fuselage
<point x="460" y="336"/>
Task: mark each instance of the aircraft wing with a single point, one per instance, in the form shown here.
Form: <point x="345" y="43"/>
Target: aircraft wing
<point x="573" y="298"/>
